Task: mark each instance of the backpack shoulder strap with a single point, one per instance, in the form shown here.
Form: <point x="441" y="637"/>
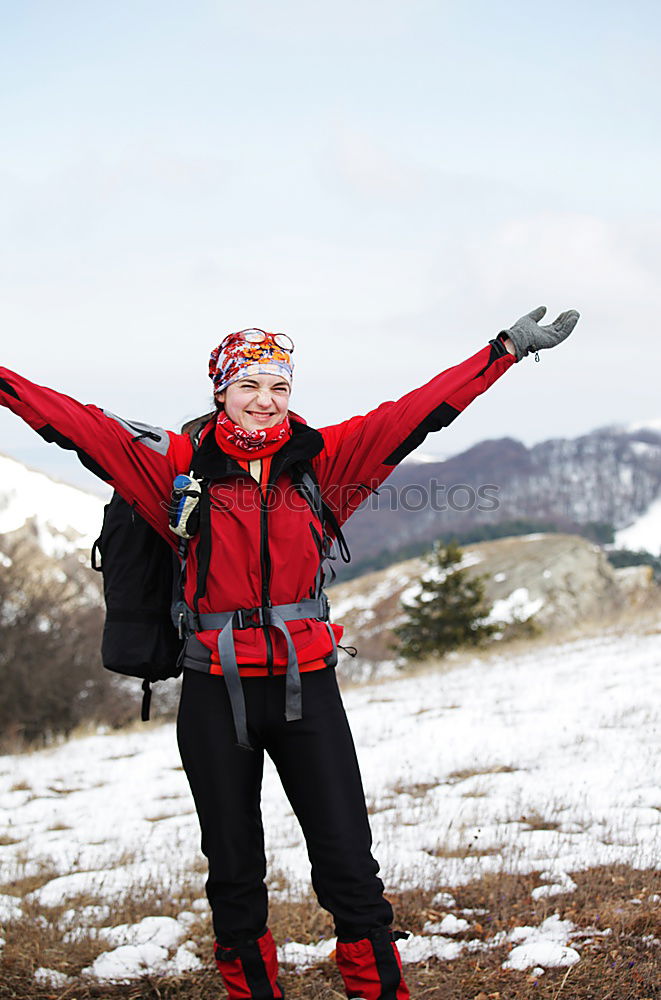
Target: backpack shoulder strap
<point x="307" y="485"/>
<point x="194" y="429"/>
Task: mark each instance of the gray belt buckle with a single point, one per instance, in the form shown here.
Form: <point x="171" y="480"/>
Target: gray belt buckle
<point x="249" y="618"/>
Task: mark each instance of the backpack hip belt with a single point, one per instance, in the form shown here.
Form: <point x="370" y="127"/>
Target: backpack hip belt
<point x="189" y="621"/>
<point x="276" y="615"/>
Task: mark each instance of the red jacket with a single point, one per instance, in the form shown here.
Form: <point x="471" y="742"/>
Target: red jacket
<point x="259" y="552"/>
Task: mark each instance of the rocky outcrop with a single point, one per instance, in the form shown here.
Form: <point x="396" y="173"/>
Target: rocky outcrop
<point x="561" y="581"/>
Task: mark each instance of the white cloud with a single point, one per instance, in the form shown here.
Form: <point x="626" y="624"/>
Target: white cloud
<point x="584" y="255"/>
<point x="369" y="169"/>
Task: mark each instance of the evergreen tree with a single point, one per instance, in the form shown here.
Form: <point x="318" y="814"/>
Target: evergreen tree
<point x="448" y="612"/>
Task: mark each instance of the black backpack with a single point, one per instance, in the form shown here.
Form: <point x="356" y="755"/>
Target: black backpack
<point x="140" y="575"/>
<point x="142" y="587"/>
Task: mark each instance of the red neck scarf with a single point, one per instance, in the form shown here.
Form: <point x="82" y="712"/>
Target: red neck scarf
<point x="240" y="443"/>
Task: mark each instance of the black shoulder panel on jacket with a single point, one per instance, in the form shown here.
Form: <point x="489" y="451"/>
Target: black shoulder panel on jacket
<point x="441" y="416"/>
<point x="438" y="418"/>
<point x="49" y="434"/>
<point x="9" y="389"/>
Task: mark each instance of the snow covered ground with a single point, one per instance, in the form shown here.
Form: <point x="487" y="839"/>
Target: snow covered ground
<point x="644" y="533"/>
<point x="544" y="761"/>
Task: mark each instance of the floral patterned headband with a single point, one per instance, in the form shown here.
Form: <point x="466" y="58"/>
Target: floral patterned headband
<point x="251" y="352"/>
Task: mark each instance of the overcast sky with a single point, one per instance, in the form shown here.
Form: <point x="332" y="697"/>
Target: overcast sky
<point x="391" y="182"/>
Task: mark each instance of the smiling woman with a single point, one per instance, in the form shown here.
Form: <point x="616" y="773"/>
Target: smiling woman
<point x="258" y="401"/>
<point x="259" y="644"/>
<point x="252" y="374"/>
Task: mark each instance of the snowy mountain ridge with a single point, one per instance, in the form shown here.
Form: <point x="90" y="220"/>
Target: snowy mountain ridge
<point x="611" y="476"/>
<point x="63" y="519"/>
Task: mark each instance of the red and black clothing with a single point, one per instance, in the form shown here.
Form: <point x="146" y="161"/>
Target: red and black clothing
<point x="259" y="546"/>
<point x="251" y="555"/>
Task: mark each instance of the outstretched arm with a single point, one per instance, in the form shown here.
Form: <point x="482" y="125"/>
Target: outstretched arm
<point x="137" y="460"/>
<point x="360" y="453"/>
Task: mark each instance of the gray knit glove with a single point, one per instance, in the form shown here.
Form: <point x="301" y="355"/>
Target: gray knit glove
<point x="528" y="336"/>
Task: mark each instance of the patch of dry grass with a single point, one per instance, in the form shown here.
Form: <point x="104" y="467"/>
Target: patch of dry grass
<point x="416" y="789"/>
<point x="21" y="786"/>
<point x="473" y="772"/>
<point x="535" y="821"/>
<point x="44" y="937"/>
<point x="624" y="965"/>
<point x="23" y="883"/>
<point x="469" y="851"/>
<point x="59" y="790"/>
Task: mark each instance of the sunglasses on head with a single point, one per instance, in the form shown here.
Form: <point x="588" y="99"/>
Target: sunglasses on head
<point x="255" y="336"/>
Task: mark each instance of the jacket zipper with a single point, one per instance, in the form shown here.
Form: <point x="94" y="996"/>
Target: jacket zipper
<point x="265" y="560"/>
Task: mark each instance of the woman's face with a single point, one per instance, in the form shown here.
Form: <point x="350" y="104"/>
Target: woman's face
<point x="256" y="401"/>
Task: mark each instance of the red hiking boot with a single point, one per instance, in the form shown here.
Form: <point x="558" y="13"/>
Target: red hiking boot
<point x="250" y="970"/>
<point x="371" y="967"/>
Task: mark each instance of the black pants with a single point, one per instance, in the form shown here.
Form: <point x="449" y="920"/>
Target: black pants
<point x="316" y="761"/>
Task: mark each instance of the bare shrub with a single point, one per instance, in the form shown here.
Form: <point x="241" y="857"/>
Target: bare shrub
<point x="50" y="665"/>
